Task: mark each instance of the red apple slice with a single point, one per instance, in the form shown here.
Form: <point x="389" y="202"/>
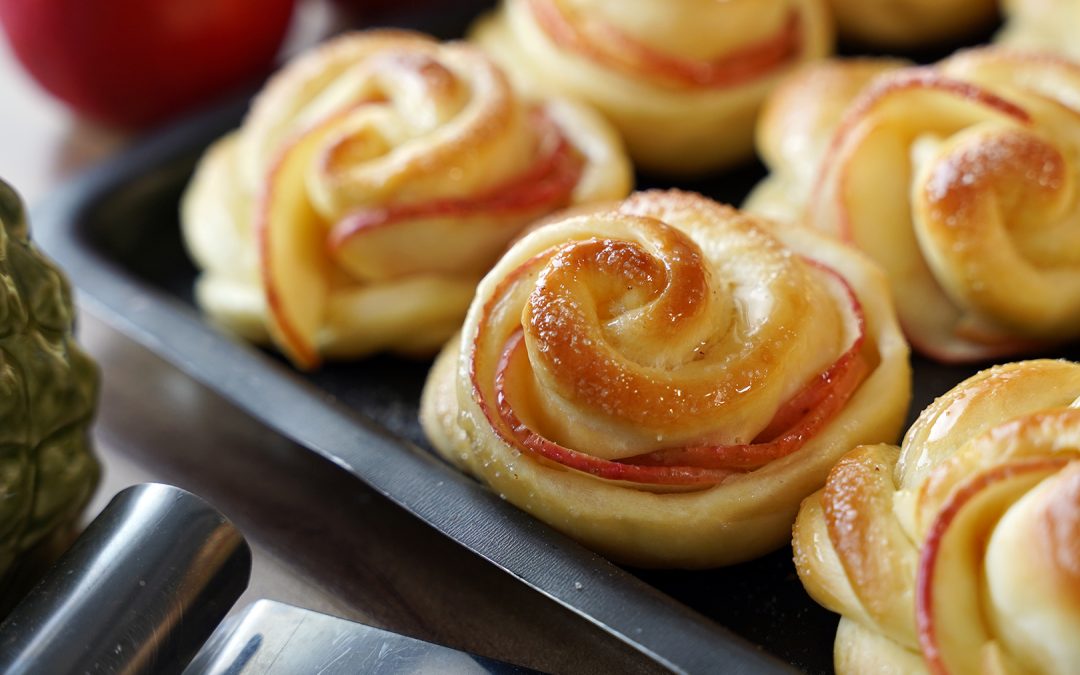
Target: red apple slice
<point x="855" y="166"/>
<point x="291" y="235"/>
<point x="797" y="420"/>
<point x="604" y="43"/>
<point x="516" y="357"/>
<point x="873" y="100"/>
<point x="808" y="412"/>
<point x="358" y="242"/>
<point x="952" y="633"/>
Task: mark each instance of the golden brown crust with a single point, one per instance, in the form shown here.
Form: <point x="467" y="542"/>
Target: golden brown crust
<point x="960" y="548"/>
<point x="630" y="376"/>
<point x="959" y="179"/>
<point x="401" y="168"/>
<point x="681" y="79"/>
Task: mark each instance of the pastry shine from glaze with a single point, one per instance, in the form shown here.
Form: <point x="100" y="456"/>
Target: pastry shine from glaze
<point x="665" y="379"/>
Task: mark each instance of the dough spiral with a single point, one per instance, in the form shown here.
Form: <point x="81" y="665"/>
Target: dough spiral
<point x="960" y="551"/>
<point x="374" y="181"/>
<point x="666" y="379"/>
<point x="681" y="79"/>
<point x="959" y="179"/>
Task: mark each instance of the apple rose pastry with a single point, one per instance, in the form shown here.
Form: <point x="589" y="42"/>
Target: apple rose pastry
<point x="665" y="379"/>
<point x="372" y="184"/>
<point x="959" y="179"/>
<point x="681" y="79"/>
<point x="1042" y="25"/>
<point x="906" y="24"/>
<point x="959" y="552"/>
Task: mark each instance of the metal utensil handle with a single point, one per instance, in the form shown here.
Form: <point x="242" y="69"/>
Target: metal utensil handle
<point x="140" y="590"/>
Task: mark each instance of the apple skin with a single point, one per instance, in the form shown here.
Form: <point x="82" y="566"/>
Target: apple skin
<point x="131" y="63"/>
<point x="290" y="236"/>
<point x="547" y="185"/>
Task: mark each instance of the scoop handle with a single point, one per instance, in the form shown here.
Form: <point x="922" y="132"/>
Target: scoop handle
<point x="139" y="591"/>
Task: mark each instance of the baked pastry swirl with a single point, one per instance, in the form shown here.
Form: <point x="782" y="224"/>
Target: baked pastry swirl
<point x="681" y="79"/>
<point x="1042" y="25"/>
<point x="374" y="181"/>
<point x="959" y="552"/>
<point x="959" y="179"/>
<point x="666" y="379"/>
<point x="906" y="24"/>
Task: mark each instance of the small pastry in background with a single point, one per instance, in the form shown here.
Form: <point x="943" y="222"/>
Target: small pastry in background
<point x="960" y="179"/>
<point x="1042" y="25"/>
<point x="681" y="79"/>
<point x="796" y="127"/>
<point x="373" y="183"/>
<point x="666" y="379"/>
<point x="958" y="552"/>
<point x="908" y="24"/>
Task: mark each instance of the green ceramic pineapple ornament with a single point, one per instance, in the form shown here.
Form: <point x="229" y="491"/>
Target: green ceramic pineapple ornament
<point x="48" y="392"/>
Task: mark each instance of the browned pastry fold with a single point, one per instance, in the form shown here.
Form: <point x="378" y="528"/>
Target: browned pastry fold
<point x="960" y="179"/>
<point x="666" y="378"/>
<point x="374" y="181"/>
<point x="682" y="80"/>
<point x="960" y="551"/>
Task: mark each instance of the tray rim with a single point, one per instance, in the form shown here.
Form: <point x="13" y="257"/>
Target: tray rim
<point x="656" y="625"/>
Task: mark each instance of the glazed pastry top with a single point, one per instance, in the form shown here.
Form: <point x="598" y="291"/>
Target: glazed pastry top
<point x="671" y="347"/>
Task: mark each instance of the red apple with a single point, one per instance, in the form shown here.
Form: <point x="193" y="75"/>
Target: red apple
<point x="606" y="44"/>
<point x="134" y="62"/>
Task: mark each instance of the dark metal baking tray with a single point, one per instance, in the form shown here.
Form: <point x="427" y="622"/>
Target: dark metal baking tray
<point x="116" y="233"/>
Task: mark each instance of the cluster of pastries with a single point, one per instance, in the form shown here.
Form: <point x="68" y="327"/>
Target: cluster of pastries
<point x="664" y="378"/>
